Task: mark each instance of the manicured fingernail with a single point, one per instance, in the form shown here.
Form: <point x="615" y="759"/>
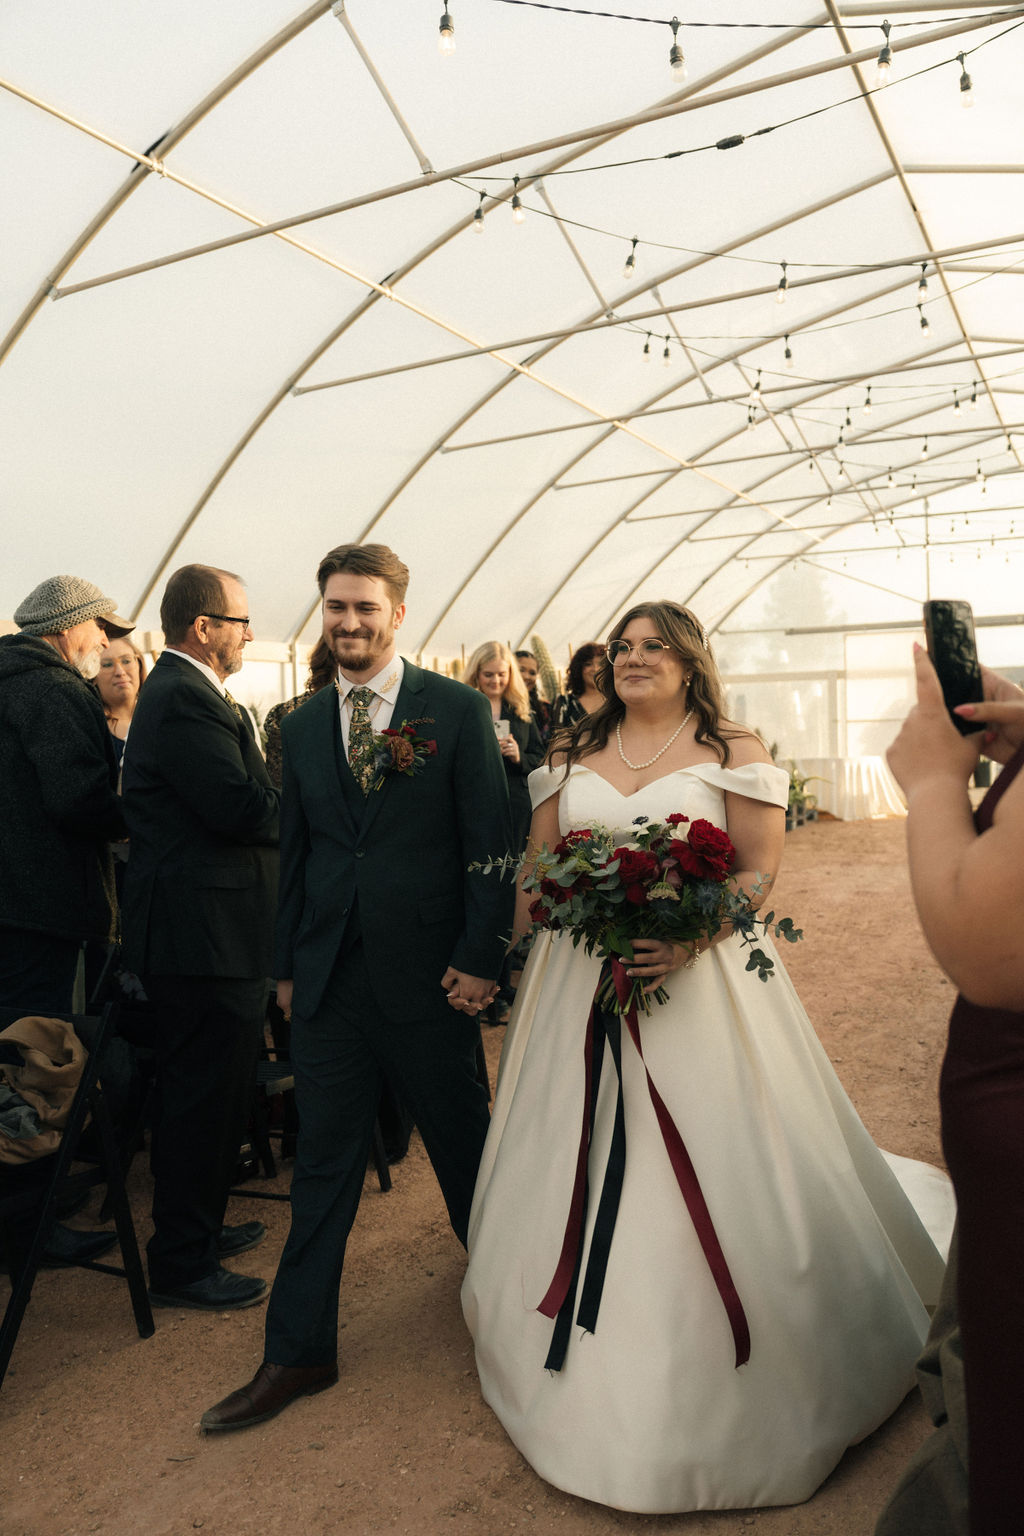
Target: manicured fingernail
<point x="917" y="648"/>
<point x="965" y="709"/>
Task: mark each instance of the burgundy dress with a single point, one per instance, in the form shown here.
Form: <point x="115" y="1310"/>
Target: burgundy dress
<point x="982" y="1096"/>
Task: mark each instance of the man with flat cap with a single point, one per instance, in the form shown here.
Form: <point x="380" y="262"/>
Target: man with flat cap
<point x="59" y="810"/>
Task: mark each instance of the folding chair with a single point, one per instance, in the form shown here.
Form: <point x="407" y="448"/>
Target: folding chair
<point x="36" y="1204"/>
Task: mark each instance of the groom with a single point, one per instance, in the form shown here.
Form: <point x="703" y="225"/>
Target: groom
<point x="387" y="946"/>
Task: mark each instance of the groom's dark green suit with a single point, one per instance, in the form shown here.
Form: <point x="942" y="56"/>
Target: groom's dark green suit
<point x="377" y="901"/>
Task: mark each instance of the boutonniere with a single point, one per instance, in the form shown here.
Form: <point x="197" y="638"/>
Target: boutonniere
<point x="401" y="751"/>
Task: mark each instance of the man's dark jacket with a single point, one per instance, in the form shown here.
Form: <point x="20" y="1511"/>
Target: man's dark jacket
<point x="201" y="884"/>
<point x="58" y="803"/>
<point x="401" y="855"/>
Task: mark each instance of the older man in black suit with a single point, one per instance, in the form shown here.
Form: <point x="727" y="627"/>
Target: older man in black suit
<point x="197" y="918"/>
<point x="388" y="941"/>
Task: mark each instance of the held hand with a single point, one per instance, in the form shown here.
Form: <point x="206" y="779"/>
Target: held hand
<point x="467" y="994"/>
<point x="929" y="744"/>
<point x="1003" y="712"/>
<point x="284" y="997"/>
<point x="655" y="958"/>
<point x="509" y="748"/>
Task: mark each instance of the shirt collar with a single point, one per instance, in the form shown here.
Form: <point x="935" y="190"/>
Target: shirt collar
<point x="203" y="668"/>
<point x="385" y="684"/>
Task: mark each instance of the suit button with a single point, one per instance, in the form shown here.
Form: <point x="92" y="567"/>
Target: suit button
<point x="360" y="853"/>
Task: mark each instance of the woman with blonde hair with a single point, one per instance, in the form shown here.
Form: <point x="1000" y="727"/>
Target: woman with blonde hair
<point x="492" y="671"/>
<point x="122" y="669"/>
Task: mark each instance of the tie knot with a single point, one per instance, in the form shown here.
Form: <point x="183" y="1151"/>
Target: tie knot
<point x="361" y="697"/>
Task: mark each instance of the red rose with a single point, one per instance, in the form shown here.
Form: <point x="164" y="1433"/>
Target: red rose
<point x="676" y="819"/>
<point x="714" y="846"/>
<point x="638" y="869"/>
<point x="429" y="747"/>
<point x="571" y="840"/>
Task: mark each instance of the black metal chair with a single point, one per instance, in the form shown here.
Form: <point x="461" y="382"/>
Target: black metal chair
<point x="28" y="1207"/>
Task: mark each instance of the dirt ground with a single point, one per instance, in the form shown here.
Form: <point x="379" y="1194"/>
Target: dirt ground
<point x="99" y="1428"/>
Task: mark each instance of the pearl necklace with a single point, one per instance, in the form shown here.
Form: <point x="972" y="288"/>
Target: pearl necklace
<point x="636" y="767"/>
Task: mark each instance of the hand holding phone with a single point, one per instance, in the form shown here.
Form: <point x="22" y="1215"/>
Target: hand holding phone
<point x="949" y="627"/>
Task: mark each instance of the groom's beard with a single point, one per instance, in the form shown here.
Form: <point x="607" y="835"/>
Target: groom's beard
<point x="343" y="649"/>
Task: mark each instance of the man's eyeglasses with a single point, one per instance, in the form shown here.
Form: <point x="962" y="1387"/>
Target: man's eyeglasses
<point x="228" y="618"/>
<point x="649" y="651"/>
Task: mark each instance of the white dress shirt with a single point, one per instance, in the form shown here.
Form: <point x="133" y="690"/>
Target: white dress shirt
<point x="220" y="687"/>
<point x="385" y="686"/>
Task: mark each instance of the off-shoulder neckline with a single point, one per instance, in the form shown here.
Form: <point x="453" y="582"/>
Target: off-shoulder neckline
<point x="687" y="768"/>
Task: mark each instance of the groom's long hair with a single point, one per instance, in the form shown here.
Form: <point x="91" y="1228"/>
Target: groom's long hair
<point x="375" y="560"/>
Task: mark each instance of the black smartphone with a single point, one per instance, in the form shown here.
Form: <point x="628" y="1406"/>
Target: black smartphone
<point x="949" y="627"/>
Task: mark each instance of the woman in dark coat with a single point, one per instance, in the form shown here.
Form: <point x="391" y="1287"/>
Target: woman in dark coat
<point x="582" y="695"/>
<point x="493" y="672"/>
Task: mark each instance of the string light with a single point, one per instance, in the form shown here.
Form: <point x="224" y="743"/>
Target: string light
<point x="890" y="481"/>
<point x="750" y="418"/>
<point x="446" y="38"/>
<point x="676" y="59"/>
<point x="848" y="422"/>
<point x="883" y="67"/>
<point x="956" y="403"/>
<point x="922" y="282"/>
<point x="478" y="217"/>
<point x="780" y="292"/>
<point x="924" y="449"/>
<point x="974" y="395"/>
<point x="925" y="327"/>
<point x="629" y="270"/>
<point x="647" y="348"/>
<point x="979" y="477"/>
<point x="666" y="356"/>
<point x="867" y="402"/>
<point x="518" y="211"/>
<point x="755" y="390"/>
<point x="787" y="356"/>
<point x="966" y="84"/>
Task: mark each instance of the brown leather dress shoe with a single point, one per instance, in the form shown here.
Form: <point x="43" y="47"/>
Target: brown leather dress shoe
<point x="271" y="1389"/>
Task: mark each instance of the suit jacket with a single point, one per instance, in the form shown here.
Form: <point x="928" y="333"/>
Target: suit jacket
<point x="399" y="856"/>
<point x="531" y="754"/>
<point x="202" y="814"/>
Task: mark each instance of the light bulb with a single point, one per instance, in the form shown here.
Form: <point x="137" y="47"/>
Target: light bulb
<point x="676" y="59"/>
<point x="924" y="449"/>
<point x="780" y="292"/>
<point x="883" y="67"/>
<point x="956" y="404"/>
<point x="647" y="350"/>
<point x="890" y="481"/>
<point x="974" y="397"/>
<point x="966" y="84"/>
<point x="666" y="356"/>
<point x="925" y="327"/>
<point x="979" y="478"/>
<point x="867" y="402"/>
<point x="787" y="356"/>
<point x="750" y="418"/>
<point x="629" y="270"/>
<point x="755" y="390"/>
<point x="446" y="38"/>
<point x="478" y="217"/>
<point x="922" y="282"/>
<point x="518" y="211"/>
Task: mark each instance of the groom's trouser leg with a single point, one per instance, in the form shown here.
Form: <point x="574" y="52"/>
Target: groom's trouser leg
<point x="337" y="1086"/>
<point x="432" y="1062"/>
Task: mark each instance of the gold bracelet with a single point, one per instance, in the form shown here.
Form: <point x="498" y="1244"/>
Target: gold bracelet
<point x="688" y="965"/>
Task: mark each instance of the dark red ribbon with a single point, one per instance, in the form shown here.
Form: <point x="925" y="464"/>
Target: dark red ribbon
<point x="682" y="1167"/>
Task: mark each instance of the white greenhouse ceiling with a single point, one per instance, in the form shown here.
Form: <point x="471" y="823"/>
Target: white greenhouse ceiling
<point x="263" y="292"/>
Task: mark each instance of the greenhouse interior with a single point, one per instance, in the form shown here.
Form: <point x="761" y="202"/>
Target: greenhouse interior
<point x="571" y="309"/>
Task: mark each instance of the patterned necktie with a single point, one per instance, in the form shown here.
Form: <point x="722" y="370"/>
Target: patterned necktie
<point x="233" y="705"/>
<point x="360" y="738"/>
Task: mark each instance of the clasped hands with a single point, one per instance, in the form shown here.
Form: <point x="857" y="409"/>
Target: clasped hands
<point x="653" y="959"/>
<point x="467" y="994"/>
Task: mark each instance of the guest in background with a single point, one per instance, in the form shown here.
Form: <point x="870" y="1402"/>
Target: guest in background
<point x="492" y="671"/>
<point x="122" y="668"/>
<point x="529" y="671"/>
<point x="967" y="874"/>
<point x="582" y="695"/>
<point x="322" y="671"/>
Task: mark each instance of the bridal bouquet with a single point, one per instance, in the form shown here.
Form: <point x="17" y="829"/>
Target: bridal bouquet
<point x="671" y="881"/>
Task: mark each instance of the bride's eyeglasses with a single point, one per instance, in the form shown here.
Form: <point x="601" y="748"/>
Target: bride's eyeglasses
<point x="650" y="651"/>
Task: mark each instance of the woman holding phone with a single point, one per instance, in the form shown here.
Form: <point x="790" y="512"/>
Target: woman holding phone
<point x="967" y="873"/>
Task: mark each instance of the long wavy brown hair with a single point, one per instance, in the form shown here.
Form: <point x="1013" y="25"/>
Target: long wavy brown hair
<point x="679" y="628"/>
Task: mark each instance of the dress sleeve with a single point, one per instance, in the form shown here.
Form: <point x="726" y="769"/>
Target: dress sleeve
<point x="544" y="782"/>
<point x="758" y="781"/>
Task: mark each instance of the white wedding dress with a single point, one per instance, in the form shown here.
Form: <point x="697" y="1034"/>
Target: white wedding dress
<point x="832" y="1265"/>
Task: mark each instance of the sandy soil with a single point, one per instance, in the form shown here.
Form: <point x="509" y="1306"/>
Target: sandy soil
<point x="99" y="1428"/>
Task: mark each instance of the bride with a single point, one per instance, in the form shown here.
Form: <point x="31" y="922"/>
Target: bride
<point x="808" y="1244"/>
